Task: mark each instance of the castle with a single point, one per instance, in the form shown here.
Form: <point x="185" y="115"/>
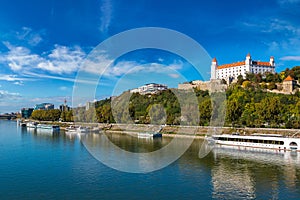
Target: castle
<point x="231" y="71"/>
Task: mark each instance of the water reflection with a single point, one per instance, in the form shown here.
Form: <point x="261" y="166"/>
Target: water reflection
<point x="132" y="154"/>
<point x="247" y="172"/>
<point x="226" y="173"/>
<point x="135" y="144"/>
<point x="274" y="157"/>
<point x="126" y="142"/>
<point x="41" y="134"/>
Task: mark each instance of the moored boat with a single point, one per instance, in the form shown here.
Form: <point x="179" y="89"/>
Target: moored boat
<point x="149" y="135"/>
<point x="48" y="127"/>
<point x="31" y="124"/>
<point x="21" y="123"/>
<point x="266" y="141"/>
<point x="75" y="129"/>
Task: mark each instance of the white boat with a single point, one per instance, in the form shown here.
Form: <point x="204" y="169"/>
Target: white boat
<point x="48" y="127"/>
<point x="71" y="129"/>
<point x="31" y="124"/>
<point x="81" y="129"/>
<point x="94" y="129"/>
<point x="266" y="141"/>
<point x="20" y="123"/>
<point x="75" y="129"/>
<point x="149" y="135"/>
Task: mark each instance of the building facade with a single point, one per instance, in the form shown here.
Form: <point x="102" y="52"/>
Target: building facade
<point x="26" y="112"/>
<point x="151" y="88"/>
<point x="44" y="106"/>
<point x="215" y="85"/>
<point x="233" y="70"/>
<point x="64" y="107"/>
<point x="89" y="105"/>
<point x="201" y="85"/>
<point x="288" y="85"/>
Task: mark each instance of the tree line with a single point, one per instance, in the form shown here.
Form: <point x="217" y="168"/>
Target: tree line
<point x="248" y="104"/>
<point x="52" y="115"/>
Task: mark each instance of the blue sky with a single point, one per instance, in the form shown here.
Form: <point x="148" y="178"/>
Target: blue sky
<point x="43" y="43"/>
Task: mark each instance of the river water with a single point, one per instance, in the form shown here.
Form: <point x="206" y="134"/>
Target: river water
<point x="35" y="165"/>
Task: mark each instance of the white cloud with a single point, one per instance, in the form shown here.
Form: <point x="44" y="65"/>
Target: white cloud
<point x="174" y="75"/>
<point x="11" y="77"/>
<point x="35" y="39"/>
<point x="101" y="64"/>
<point x="106" y="15"/>
<point x="63" y="88"/>
<point x="270" y="25"/>
<point x="56" y="100"/>
<point x="286" y="33"/>
<point x="160" y="59"/>
<point x="29" y="36"/>
<point x="290" y="58"/>
<point x="131" y="67"/>
<point x="62" y="60"/>
<point x="5" y="95"/>
<point x="19" y="57"/>
<point x="280" y="26"/>
<point x="19" y="83"/>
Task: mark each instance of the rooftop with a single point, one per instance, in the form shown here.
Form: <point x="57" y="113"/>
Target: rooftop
<point x="289" y="78"/>
<point x="231" y="65"/>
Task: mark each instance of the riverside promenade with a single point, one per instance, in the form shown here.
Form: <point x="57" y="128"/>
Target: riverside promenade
<point x="176" y="130"/>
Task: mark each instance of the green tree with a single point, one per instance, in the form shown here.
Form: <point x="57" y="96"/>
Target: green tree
<point x="246" y="84"/>
<point x="271" y="86"/>
<point x="240" y="79"/>
<point x="205" y="111"/>
<point x="234" y="111"/>
<point x="269" y="110"/>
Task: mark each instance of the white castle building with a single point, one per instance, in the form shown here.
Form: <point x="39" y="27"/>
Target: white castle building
<point x="233" y="70"/>
<point x="151" y="88"/>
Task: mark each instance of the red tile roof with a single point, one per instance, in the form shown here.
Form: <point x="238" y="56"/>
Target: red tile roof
<point x="263" y="63"/>
<point x="231" y="65"/>
<point x="289" y="78"/>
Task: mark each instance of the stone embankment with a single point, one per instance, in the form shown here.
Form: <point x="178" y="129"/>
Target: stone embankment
<point x="169" y="130"/>
<point x="195" y="130"/>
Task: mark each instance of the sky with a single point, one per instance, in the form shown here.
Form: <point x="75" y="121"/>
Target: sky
<point x="45" y="44"/>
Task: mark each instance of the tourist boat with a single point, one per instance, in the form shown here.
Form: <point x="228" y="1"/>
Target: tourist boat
<point x="266" y="141"/>
<point x="20" y="123"/>
<point x="71" y="129"/>
<point x="31" y="124"/>
<point x="149" y="135"/>
<point x="81" y="129"/>
<point x="48" y="127"/>
<point x="75" y="129"/>
<point x="94" y="129"/>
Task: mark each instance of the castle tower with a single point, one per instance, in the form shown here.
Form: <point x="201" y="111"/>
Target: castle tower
<point x="272" y="61"/>
<point x="248" y="59"/>
<point x="214" y="65"/>
<point x="288" y="85"/>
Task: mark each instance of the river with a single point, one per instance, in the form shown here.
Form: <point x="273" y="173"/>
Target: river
<point x="36" y="165"/>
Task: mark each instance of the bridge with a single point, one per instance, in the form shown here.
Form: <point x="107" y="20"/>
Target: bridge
<point x="8" y="116"/>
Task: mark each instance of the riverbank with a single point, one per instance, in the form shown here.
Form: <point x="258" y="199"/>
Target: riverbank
<point x="199" y="131"/>
<point x="176" y="130"/>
